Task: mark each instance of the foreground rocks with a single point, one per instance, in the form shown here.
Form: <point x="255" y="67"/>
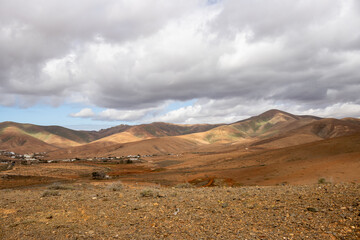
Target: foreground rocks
<point x="85" y="211"/>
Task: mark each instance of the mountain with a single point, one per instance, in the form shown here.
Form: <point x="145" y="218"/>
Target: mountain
<point x="269" y="130"/>
<point x="37" y="136"/>
<point x="110" y="131"/>
<point x="155" y="130"/>
<point x="26" y="137"/>
<point x="265" y="125"/>
<point x="314" y="131"/>
<point x="12" y="139"/>
<point x="352" y="120"/>
<point x="156" y="146"/>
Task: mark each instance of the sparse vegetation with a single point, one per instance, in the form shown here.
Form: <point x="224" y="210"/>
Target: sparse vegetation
<point x="184" y="185"/>
<point x="48" y="193"/>
<point x="275" y="211"/>
<point x="147" y="193"/>
<point x="115" y="186"/>
<point x="322" y="181"/>
<point x="150" y="193"/>
<point x="59" y="186"/>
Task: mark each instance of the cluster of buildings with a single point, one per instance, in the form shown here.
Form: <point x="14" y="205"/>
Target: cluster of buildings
<point x="122" y="159"/>
<point x="7" y="156"/>
<point x="13" y="155"/>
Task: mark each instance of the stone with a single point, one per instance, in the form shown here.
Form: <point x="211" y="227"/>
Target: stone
<point x="311" y="209"/>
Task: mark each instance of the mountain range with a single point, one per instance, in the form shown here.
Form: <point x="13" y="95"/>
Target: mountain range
<point x="272" y="129"/>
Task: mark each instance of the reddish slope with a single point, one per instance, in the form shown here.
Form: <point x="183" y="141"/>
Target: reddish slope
<point x="21" y="143"/>
<point x="60" y="137"/>
<point x="314" y="131"/>
<point x="335" y="160"/>
<point x="155" y="130"/>
<point x="162" y="145"/>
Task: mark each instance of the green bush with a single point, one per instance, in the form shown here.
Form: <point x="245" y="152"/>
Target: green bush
<point x="322" y="181"/>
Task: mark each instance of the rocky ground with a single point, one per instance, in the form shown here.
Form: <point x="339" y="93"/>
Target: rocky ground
<point x="118" y="211"/>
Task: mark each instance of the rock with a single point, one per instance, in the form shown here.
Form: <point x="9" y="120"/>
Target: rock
<point x="311" y="209"/>
<point x="99" y="175"/>
<point x="177" y="211"/>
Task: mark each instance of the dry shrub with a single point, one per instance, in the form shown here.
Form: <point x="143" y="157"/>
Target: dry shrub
<point x="150" y="193"/>
<point x="58" y="186"/>
<point x="50" y="193"/>
<point x="184" y="185"/>
<point x="115" y="186"/>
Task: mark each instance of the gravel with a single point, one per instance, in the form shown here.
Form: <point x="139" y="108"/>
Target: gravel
<point x="84" y="211"/>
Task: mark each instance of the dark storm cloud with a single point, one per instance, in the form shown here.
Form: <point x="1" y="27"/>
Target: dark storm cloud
<point x="133" y="57"/>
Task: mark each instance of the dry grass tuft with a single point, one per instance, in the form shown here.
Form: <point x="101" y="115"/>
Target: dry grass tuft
<point x="58" y="186"/>
<point x="184" y="185"/>
<point x="116" y="186"/>
<point x="50" y="193"/>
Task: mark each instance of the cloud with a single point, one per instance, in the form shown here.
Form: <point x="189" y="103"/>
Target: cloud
<point x="235" y="109"/>
<point x="118" y="115"/>
<point x="338" y="110"/>
<point x="132" y="57"/>
<point x="121" y="115"/>
<point x="84" y="113"/>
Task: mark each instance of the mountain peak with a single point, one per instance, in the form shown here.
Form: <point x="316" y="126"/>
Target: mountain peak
<point x="273" y="112"/>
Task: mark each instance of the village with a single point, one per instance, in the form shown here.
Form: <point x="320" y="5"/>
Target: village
<point x="9" y="159"/>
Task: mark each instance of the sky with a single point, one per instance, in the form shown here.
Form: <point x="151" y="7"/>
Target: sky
<point x="91" y="64"/>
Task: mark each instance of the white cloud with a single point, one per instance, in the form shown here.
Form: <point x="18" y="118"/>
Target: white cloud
<point x="118" y="115"/>
<point x="132" y="57"/>
<point x="84" y="113"/>
<point x="121" y="115"/>
<point x="338" y="110"/>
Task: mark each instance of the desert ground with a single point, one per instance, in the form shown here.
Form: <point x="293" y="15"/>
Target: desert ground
<point x="104" y="210"/>
<point x="228" y="194"/>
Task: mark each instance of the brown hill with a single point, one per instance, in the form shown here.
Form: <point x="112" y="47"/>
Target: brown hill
<point x="43" y="132"/>
<point x="335" y="159"/>
<point x="268" y="124"/>
<point x="13" y="140"/>
<point x="352" y="120"/>
<point x="60" y="137"/>
<point x="314" y="131"/>
<point x="164" y="146"/>
<point x="110" y="131"/>
<point x="57" y="137"/>
<point x="272" y="129"/>
<point x="155" y="130"/>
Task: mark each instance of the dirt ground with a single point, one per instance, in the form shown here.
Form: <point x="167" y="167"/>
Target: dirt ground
<point x="104" y="210"/>
<point x="307" y="192"/>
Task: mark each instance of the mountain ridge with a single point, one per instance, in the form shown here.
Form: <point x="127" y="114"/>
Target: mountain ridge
<point x="273" y="128"/>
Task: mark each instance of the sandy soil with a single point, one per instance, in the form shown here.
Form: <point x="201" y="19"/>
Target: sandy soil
<point x="116" y="211"/>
